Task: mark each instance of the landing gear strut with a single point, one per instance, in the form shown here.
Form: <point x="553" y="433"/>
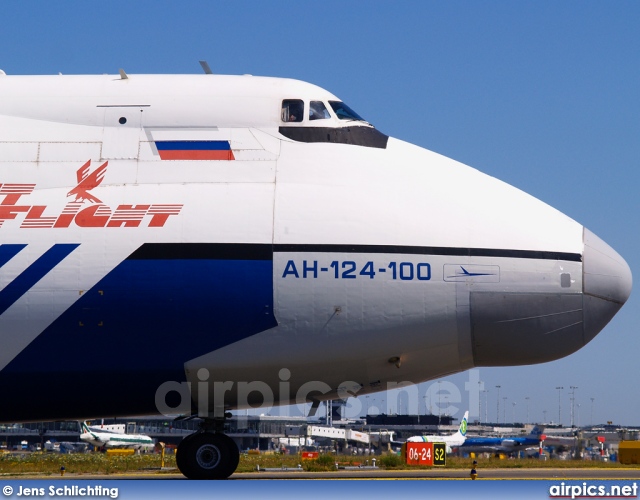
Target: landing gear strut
<point x="208" y="453"/>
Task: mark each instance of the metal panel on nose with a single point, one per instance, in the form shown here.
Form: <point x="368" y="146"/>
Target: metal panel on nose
<point x="523" y="328"/>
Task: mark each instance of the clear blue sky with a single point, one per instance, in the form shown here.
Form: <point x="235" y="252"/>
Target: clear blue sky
<point x="544" y="95"/>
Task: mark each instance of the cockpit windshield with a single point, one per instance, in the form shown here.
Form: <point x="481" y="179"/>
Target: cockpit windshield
<point x="344" y="112"/>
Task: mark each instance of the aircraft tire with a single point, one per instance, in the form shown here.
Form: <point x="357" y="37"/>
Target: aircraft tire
<point x="235" y="452"/>
<point x="208" y="456"/>
<point x="183" y="451"/>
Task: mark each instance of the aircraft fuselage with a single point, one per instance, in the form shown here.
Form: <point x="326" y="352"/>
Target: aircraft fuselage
<point x="243" y="252"/>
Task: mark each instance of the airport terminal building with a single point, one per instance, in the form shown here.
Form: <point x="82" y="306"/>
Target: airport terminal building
<point x="276" y="433"/>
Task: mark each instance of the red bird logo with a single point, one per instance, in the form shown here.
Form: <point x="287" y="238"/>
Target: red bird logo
<point x="87" y="182"/>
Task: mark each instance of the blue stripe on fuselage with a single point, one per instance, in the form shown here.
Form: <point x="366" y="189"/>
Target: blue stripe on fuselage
<point x="34" y="273"/>
<point x="8" y="252"/>
<point x="135" y="329"/>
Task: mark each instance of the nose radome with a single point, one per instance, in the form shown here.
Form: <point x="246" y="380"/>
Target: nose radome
<point x="606" y="275"/>
<point x="606" y="284"/>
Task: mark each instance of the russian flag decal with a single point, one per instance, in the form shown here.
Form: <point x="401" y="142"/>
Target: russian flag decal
<point x="194" y="150"/>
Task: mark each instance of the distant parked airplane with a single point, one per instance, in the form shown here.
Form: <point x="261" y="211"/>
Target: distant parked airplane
<point x="103" y="438"/>
<point x="503" y="444"/>
<point x="453" y="441"/>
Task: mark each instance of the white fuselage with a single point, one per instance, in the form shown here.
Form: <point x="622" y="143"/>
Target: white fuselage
<point x="113" y="440"/>
<point x="291" y="269"/>
<point x="452" y="441"/>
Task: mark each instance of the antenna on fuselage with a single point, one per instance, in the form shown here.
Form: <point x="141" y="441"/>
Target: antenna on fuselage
<point x="123" y="75"/>
<point x="206" y="68"/>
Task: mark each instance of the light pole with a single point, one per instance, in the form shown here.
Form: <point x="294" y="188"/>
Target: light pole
<point x="486" y="405"/>
<point x="513" y="415"/>
<point x="480" y="385"/>
<point x="367" y="398"/>
<point x="498" y="410"/>
<point x="573" y="403"/>
<point x="559" y="405"/>
<point x="544" y="412"/>
<point x="439" y="405"/>
<point x="527" y="400"/>
<point x="578" y="415"/>
<point x="592" y="400"/>
<point x="504" y="410"/>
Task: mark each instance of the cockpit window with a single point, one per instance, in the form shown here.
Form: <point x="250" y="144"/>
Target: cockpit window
<point x="344" y="112"/>
<point x="292" y="110"/>
<point x="318" y="111"/>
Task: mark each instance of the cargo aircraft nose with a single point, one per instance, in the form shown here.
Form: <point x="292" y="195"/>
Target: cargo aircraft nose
<point x="606" y="284"/>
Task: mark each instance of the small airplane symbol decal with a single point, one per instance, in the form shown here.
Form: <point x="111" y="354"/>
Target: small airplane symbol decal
<point x="87" y="182"/>
<point x="468" y="274"/>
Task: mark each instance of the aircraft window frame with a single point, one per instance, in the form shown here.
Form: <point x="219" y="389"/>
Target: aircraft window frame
<point x="292" y="111"/>
<point x="347" y="114"/>
<point x="317" y="113"/>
